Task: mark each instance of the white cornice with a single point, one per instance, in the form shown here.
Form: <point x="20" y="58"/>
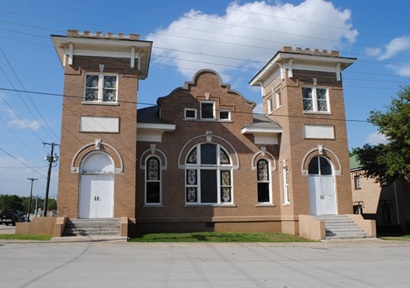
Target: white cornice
<point x="151" y="132"/>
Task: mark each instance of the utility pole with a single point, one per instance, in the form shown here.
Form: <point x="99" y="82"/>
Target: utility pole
<point x="31" y="194"/>
<point x="51" y="159"/>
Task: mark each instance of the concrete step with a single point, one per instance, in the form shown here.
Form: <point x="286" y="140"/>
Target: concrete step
<point x="341" y="227"/>
<point x="90" y="227"/>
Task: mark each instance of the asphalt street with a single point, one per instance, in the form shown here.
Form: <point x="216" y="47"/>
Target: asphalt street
<point x="360" y="263"/>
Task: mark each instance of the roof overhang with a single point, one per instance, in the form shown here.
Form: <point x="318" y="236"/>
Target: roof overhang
<point x="288" y="61"/>
<point x="263" y="136"/>
<point x="68" y="47"/>
<point x="152" y="132"/>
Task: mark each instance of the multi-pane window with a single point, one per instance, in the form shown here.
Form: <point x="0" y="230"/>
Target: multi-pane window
<point x="207" y="110"/>
<point x="100" y="88"/>
<point x="208" y="175"/>
<point x="153" y="181"/>
<point x="357" y="184"/>
<point x="263" y="181"/>
<point x="320" y="166"/>
<point x="315" y="99"/>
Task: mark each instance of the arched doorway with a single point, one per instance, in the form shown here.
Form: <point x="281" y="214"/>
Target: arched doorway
<point x="96" y="198"/>
<point x="322" y="186"/>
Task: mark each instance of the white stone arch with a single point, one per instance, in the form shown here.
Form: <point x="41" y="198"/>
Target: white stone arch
<point x="208" y="137"/>
<point x="97" y="145"/>
<point x="263" y="155"/>
<point x="324" y="152"/>
<point x="153" y="151"/>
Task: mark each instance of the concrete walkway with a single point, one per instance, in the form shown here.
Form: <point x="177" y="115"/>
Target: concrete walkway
<point x="341" y="263"/>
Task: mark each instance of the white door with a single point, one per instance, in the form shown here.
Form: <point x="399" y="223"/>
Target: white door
<point x="321" y="187"/>
<point x="96" y="198"/>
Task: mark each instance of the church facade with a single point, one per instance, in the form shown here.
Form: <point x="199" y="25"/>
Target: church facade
<point x="201" y="159"/>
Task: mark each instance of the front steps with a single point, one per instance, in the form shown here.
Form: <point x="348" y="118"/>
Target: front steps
<point x="92" y="227"/>
<point x="341" y="227"/>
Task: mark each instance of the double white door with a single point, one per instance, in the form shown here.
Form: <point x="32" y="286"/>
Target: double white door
<point x="96" y="196"/>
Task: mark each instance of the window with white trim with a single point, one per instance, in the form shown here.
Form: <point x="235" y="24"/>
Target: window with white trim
<point x="190" y="113"/>
<point x="285" y="172"/>
<point x="357" y="184"/>
<point x="278" y="99"/>
<point x="207" y="110"/>
<point x="224" y="115"/>
<point x="208" y="175"/>
<point x="270" y="105"/>
<point x="101" y="88"/>
<point x="315" y="99"/>
<point x="153" y="185"/>
<point x="263" y="174"/>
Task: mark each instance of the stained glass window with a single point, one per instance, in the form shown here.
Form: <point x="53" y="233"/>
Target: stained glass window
<point x="207" y="181"/>
<point x="223" y="157"/>
<point x="315" y="99"/>
<point x="100" y="88"/>
<point x="91" y="88"/>
<point x="307" y="99"/>
<point x="192" y="156"/>
<point x="263" y="181"/>
<point x="153" y="181"/>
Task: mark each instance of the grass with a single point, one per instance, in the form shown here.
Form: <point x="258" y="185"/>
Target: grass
<point x="218" y="237"/>
<point x="398" y="238"/>
<point x="39" y="237"/>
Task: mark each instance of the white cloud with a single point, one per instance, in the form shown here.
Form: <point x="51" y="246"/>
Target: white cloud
<point x="395" y="46"/>
<point x="23" y="124"/>
<point x="372" y="52"/>
<point x="376" y="138"/>
<point x="253" y="31"/>
<point x="258" y="108"/>
<point x="401" y="70"/>
<point x="12" y="120"/>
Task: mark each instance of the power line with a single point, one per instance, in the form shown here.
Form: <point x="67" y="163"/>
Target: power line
<point x="34" y="105"/>
<point x="152" y="104"/>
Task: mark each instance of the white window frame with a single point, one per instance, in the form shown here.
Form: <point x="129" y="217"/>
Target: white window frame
<point x="216" y="167"/>
<point x="269" y="182"/>
<point x="226" y="111"/>
<point x="278" y="99"/>
<point x="100" y="87"/>
<point x="285" y="177"/>
<point x="213" y="110"/>
<point x="190" y="110"/>
<point x="315" y="108"/>
<point x="269" y="101"/>
<point x="146" y="181"/>
<point x="357" y="184"/>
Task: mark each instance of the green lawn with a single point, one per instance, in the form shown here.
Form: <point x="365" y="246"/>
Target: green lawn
<point x="25" y="237"/>
<point x="218" y="237"/>
<point x="399" y="238"/>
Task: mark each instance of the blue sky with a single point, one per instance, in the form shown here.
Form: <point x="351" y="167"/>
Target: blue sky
<point x="233" y="38"/>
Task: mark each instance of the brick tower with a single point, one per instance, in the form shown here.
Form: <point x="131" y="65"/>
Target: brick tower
<point x="99" y="129"/>
<point x="302" y="91"/>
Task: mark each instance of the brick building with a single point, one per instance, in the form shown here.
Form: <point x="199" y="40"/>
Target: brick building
<point x="200" y="160"/>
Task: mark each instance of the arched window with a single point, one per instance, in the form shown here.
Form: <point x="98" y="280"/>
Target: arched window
<point x="320" y="166"/>
<point x="263" y="175"/>
<point x="153" y="193"/>
<point x="208" y="175"/>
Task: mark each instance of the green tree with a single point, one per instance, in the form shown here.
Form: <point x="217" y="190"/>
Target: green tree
<point x="386" y="162"/>
<point x="11" y="201"/>
<point x="52" y="204"/>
